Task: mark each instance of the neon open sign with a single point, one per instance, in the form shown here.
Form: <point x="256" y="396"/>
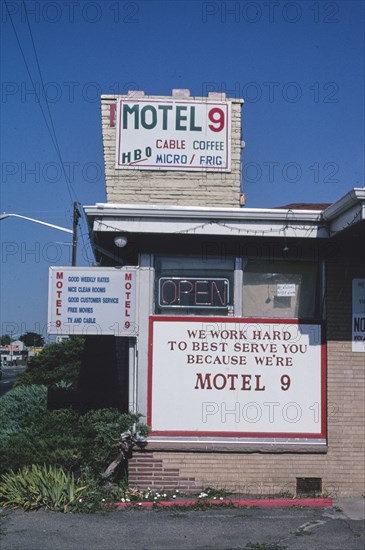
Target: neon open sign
<point x="193" y="292"/>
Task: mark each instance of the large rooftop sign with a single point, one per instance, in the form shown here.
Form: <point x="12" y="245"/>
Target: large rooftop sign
<point x="173" y="134"/>
<point x="88" y="301"/>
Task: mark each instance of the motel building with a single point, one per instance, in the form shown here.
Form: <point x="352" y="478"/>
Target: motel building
<point x="241" y="331"/>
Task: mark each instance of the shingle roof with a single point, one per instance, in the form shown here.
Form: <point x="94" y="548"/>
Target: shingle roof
<point x="305" y="206"/>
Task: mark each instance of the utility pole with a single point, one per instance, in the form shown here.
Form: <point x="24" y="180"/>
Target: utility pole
<point x="76" y="217"/>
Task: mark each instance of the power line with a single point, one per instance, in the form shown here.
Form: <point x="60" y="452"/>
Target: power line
<point x="52" y="132"/>
<point x="54" y="135"/>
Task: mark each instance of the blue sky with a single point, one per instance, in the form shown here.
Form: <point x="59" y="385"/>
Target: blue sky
<point x="298" y="65"/>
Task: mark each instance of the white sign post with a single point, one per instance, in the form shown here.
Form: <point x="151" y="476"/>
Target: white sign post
<point x="228" y="377"/>
<point x="89" y="301"/>
<point x="358" y="315"/>
<point x="172" y="134"/>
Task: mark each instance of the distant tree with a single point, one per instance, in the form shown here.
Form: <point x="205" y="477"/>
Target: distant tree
<point x="32" y="339"/>
<point x="57" y="363"/>
<point x="5" y="340"/>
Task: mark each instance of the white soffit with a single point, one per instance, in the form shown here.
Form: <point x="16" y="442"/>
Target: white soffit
<point x="260" y="222"/>
<point x="347" y="211"/>
<point x="206" y="221"/>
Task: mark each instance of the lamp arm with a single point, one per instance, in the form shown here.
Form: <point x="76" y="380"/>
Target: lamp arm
<point x="36" y="221"/>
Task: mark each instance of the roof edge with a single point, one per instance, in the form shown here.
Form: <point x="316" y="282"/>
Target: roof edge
<point x="356" y="195"/>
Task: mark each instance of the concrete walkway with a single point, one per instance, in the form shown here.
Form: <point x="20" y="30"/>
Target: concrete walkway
<point x="352" y="508"/>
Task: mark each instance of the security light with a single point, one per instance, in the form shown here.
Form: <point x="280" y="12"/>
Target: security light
<point x="120" y="241"/>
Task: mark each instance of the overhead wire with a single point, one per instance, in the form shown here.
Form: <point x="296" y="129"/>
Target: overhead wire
<point x="50" y="126"/>
<point x="56" y="143"/>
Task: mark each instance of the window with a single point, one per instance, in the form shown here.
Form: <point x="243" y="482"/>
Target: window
<point x="193" y="285"/>
<point x="280" y="289"/>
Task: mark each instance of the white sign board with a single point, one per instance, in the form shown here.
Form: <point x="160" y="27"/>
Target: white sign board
<point x="173" y="134"/>
<point x="96" y="300"/>
<point x="285" y="290"/>
<point x="358" y="315"/>
<point x="227" y="377"/>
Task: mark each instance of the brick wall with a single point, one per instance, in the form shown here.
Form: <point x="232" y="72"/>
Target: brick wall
<point x="166" y="186"/>
<point x="341" y="468"/>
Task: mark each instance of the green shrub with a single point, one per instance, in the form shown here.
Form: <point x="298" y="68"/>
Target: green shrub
<point x="18" y="404"/>
<point x="55" y="363"/>
<point x="97" y="498"/>
<point x="39" y="486"/>
<point x="51" y="437"/>
<point x="66" y="439"/>
<point x="17" y="451"/>
<point x="101" y="430"/>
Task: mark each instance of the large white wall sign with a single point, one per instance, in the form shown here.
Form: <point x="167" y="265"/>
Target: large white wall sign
<point x="236" y="377"/>
<point x="99" y="300"/>
<point x="173" y="134"/>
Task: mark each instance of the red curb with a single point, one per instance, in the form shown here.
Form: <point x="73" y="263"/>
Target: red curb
<point x="274" y="503"/>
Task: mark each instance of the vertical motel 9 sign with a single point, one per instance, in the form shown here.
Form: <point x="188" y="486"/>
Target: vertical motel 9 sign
<point x="173" y="134"/>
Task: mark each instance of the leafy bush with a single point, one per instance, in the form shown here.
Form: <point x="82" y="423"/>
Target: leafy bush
<point x="96" y="498"/>
<point x="101" y="430"/>
<point x="66" y="439"/>
<point x="18" y="404"/>
<point x="51" y="437"/>
<point x="39" y="486"/>
<point x="55" y="363"/>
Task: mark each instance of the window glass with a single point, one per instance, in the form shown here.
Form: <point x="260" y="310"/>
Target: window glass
<point x="280" y="289"/>
<point x="193" y="285"/>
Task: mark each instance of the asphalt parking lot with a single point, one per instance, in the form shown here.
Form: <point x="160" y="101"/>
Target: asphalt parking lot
<point x="339" y="527"/>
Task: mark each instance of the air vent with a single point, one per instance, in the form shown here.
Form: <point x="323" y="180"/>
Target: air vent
<point x="309" y="485"/>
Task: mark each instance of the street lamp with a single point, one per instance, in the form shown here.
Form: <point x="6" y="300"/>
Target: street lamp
<point x="73" y="232"/>
<point x="3" y="216"/>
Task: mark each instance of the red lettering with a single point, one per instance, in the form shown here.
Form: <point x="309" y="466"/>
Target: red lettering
<point x="170" y="144"/>
<point x="202" y="382"/>
<point x="246" y="381"/>
<point x="258" y="380"/>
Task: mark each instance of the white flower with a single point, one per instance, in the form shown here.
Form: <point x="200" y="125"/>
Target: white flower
<point x="139" y="504"/>
<point x="220" y="498"/>
<point x="123" y="499"/>
<point x="173" y="496"/>
<point x="214" y="498"/>
<point x="80" y="499"/>
<point x="127" y="500"/>
<point x="202" y="495"/>
<point x="177" y="491"/>
<point x="164" y="495"/>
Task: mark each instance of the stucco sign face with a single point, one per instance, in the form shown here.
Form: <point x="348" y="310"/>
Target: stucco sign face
<point x="226" y="377"/>
<point x="173" y="135"/>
